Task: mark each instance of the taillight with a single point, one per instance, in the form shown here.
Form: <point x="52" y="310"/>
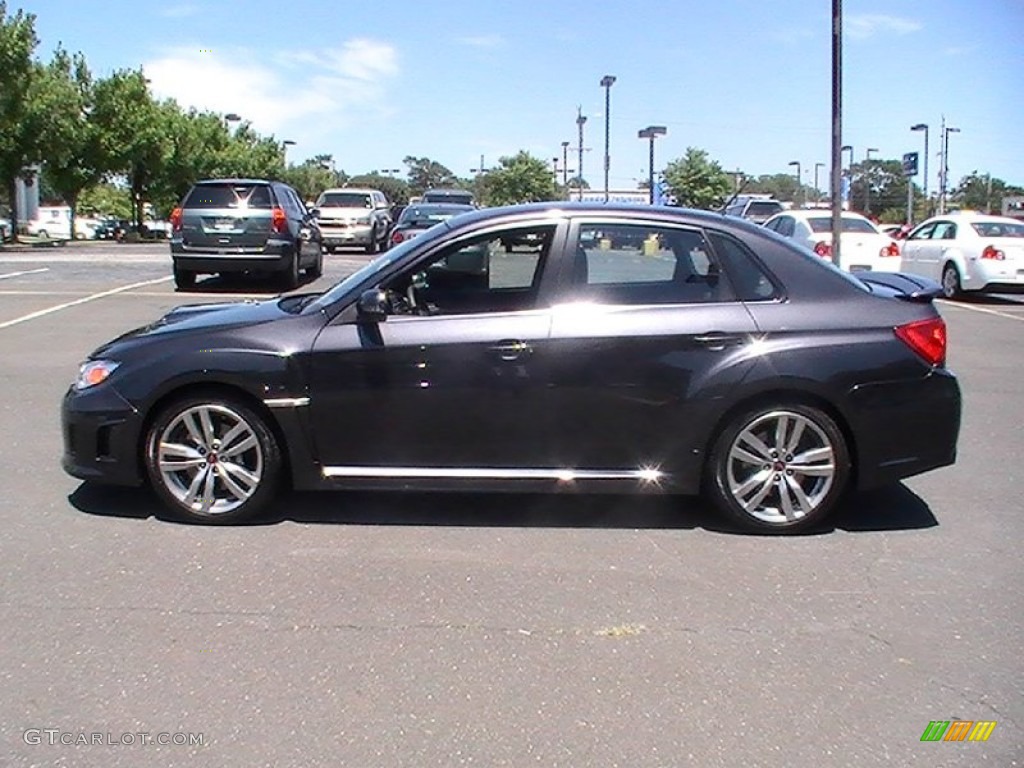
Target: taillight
<point x="991" y="252"/>
<point x="926" y="337"/>
<point x="397" y="237"/>
<point x="823" y="249"/>
<point x="892" y="249"/>
<point x="278" y="221"/>
<point x="176" y="220"/>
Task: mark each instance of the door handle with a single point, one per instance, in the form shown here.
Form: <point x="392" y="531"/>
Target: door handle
<point x="512" y="350"/>
<point x="717" y="341"/>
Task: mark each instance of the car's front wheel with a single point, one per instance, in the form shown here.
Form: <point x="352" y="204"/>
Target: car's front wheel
<point x="183" y="279"/>
<point x="374" y="245"/>
<point x="951" y="285"/>
<point x="212" y="459"/>
<point x="778" y="469"/>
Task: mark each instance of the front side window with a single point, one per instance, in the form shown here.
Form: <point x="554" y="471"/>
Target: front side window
<point x="944" y="230"/>
<point x="497" y="272"/>
<point x="923" y="232"/>
<point x="642" y="264"/>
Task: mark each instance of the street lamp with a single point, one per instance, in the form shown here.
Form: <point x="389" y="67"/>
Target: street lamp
<point x="580" y="120"/>
<point x="867" y="180"/>
<point x="565" y="164"/>
<point x="817" y="192"/>
<point x="924" y="127"/>
<point x="606" y="82"/>
<point x="799" y="183"/>
<point x="945" y="165"/>
<point x="284" y="150"/>
<point x="651" y="132"/>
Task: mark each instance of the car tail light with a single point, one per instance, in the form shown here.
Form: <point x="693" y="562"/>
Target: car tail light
<point x="823" y="249"/>
<point x="397" y="237"/>
<point x="991" y="252"/>
<point x="278" y="221"/>
<point x="176" y="216"/>
<point x="892" y="249"/>
<point x="926" y="337"/>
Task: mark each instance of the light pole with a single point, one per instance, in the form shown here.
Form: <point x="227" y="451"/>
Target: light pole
<point x="867" y="180"/>
<point x="229" y="118"/>
<point x="565" y="164"/>
<point x="799" y="183"/>
<point x="837" y="131"/>
<point x="606" y="82"/>
<point x="284" y="150"/>
<point x="651" y="132"/>
<point x="817" y="191"/>
<point x="945" y="164"/>
<point x="924" y="127"/>
<point x="580" y="120"/>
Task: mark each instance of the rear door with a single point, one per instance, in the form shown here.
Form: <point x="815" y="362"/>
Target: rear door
<point x="931" y="253"/>
<point x="226" y="215"/>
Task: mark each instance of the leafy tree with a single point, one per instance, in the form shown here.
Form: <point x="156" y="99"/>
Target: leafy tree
<point x="781" y="186"/>
<point x="312" y="177"/>
<point x="395" y="190"/>
<point x="878" y="186"/>
<point x="425" y="174"/>
<point x="74" y="159"/>
<point x="20" y="144"/>
<point x="696" y="181"/>
<point x="250" y="155"/>
<point x="982" y="192"/>
<point x="106" y="199"/>
<point x="520" y="178"/>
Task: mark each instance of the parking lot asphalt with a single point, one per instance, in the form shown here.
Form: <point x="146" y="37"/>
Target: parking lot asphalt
<point x="492" y="630"/>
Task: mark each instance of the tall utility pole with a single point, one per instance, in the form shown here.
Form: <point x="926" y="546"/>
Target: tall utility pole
<point x="606" y="82"/>
<point x="817" y="190"/>
<point x="651" y="132"/>
<point x="565" y="164"/>
<point x="944" y="187"/>
<point x="799" y="182"/>
<point x="924" y="127"/>
<point x="837" y="129"/>
<point x="867" y="179"/>
<point x="580" y="120"/>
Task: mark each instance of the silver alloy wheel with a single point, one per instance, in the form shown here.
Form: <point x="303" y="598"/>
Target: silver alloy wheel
<point x="781" y="467"/>
<point x="950" y="282"/>
<point x="210" y="459"/>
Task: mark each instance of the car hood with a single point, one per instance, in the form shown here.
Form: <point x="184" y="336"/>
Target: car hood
<point x="199" y="318"/>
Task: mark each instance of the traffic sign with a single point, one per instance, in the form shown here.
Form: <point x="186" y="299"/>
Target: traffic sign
<point x="910" y="164"/>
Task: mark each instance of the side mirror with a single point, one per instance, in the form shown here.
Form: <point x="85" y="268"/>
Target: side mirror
<point x="372" y="306"/>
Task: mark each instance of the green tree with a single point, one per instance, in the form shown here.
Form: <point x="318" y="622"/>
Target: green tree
<point x="195" y="146"/>
<point x="312" y="177"/>
<point x="20" y="139"/>
<point x="696" y="181"/>
<point x="781" y="186"/>
<point x="395" y="190"/>
<point x="982" y="192"/>
<point x="878" y="186"/>
<point x="106" y="199"/>
<point x="520" y="178"/>
<point x="74" y="158"/>
<point x="425" y="174"/>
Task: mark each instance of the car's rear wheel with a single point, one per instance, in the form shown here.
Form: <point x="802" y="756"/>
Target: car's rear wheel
<point x="951" y="285"/>
<point x="183" y="279"/>
<point x="374" y="244"/>
<point x="212" y="460"/>
<point x="44" y="234"/>
<point x="316" y="269"/>
<point x="778" y="469"/>
<point x="292" y="273"/>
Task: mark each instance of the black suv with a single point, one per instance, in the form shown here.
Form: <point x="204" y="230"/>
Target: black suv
<point x="244" y="225"/>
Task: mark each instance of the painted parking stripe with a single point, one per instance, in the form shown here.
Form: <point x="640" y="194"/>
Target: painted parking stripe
<point x="83" y="300"/>
<point x="955" y="305"/>
<point x="25" y="272"/>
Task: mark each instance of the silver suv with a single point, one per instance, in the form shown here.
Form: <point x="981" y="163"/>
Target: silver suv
<point x="353" y="217"/>
<point x="243" y="225"/>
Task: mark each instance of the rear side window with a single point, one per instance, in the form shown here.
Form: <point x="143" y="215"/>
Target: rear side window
<point x="824" y="224"/>
<point x="229" y="196"/>
<point x="749" y="280"/>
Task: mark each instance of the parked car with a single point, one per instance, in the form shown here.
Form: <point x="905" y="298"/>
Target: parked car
<point x="863" y="246"/>
<point x="729" y="361"/>
<point x="112" y="229"/>
<point x="421" y="217"/>
<point x="967" y="252"/>
<point x="229" y="226"/>
<point x="354" y="217"/>
<point x="456" y="196"/>
<point x="54" y="222"/>
<point x="755" y="208"/>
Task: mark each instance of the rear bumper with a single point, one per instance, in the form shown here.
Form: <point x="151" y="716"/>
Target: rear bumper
<point x="904" y="428"/>
<point x="101" y="437"/>
<point x="275" y="256"/>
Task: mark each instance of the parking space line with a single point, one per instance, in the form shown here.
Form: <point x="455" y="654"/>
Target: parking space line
<point x="25" y="272"/>
<point x="956" y="305"/>
<point x="83" y="300"/>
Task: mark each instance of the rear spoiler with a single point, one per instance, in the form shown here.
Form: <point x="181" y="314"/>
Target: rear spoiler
<point x="901" y="285"/>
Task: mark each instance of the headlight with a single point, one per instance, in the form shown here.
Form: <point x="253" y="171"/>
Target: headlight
<point x="363" y="220"/>
<point x="94" y="372"/>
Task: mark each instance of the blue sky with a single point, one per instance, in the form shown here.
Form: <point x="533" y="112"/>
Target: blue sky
<point x="746" y="80"/>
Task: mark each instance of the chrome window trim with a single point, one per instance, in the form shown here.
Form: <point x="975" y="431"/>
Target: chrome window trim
<point x="286" y="402"/>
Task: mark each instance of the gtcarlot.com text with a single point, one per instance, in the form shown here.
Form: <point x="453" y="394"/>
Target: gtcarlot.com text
<point x="55" y="736"/>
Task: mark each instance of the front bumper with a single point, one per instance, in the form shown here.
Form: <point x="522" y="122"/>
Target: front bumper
<point x="101" y="436"/>
<point x="904" y="428"/>
<point x="356" y="234"/>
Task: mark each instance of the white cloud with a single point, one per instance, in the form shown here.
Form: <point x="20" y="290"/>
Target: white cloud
<point x="482" y="41"/>
<point x="332" y="87"/>
<point x="178" y="11"/>
<point x="865" y="25"/>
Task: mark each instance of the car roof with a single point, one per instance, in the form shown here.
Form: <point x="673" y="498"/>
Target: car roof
<point x="972" y="216"/>
<point x="238" y="181"/>
<point x="356" y="190"/>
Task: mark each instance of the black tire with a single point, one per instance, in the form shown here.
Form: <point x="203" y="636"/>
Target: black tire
<point x="291" y="275"/>
<point x="316" y="269"/>
<point x="374" y="244"/>
<point x="777" y="483"/>
<point x="263" y="460"/>
<point x="330" y="248"/>
<point x="952" y="288"/>
<point x="184" y="280"/>
<point x="44" y="234"/>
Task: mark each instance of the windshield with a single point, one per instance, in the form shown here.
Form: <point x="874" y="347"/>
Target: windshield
<point x="998" y="228"/>
<point x="824" y="224"/>
<point x="344" y="200"/>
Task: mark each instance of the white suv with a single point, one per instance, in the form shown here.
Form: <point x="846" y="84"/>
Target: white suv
<point x="353" y="217"/>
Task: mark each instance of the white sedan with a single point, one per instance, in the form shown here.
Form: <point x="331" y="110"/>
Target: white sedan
<point x="967" y="251"/>
<point x="863" y="246"/>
